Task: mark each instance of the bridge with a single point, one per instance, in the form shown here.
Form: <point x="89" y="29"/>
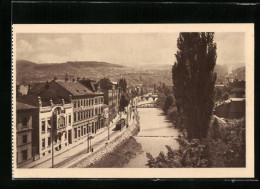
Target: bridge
<point x="151" y="95"/>
<point x="146" y="105"/>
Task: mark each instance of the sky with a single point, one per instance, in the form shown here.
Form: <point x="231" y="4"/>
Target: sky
<point x="125" y="49"/>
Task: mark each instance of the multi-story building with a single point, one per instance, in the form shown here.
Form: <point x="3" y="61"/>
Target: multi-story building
<point x="55" y="125"/>
<point x="24" y="114"/>
<point x="64" y="113"/>
<point x="52" y="121"/>
<point x="111" y="98"/>
<point x="87" y="105"/>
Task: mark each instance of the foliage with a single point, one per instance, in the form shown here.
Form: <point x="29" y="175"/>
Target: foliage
<point x="221" y="94"/>
<point x="167" y="104"/>
<point x="194" y="79"/>
<point x="104" y="82"/>
<point x="192" y="153"/>
<point x="124" y="101"/>
<point x="227" y="143"/>
<point x="122" y="85"/>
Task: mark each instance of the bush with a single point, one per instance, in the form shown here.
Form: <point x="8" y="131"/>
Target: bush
<point x="192" y="153"/>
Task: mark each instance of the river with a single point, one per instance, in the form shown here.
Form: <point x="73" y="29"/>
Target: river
<point x="155" y="132"/>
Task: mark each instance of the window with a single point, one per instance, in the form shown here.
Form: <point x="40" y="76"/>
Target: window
<point x="43" y="126"/>
<point x="25" y="122"/>
<point x="49" y="124"/>
<point x="79" y="103"/>
<point x="79" y="132"/>
<point x="75" y="104"/>
<point x="74" y="116"/>
<point x="24" y="139"/>
<point x="75" y="133"/>
<point x="84" y="130"/>
<point x="49" y="141"/>
<point x="87" y="128"/>
<point x="78" y="116"/>
<point x="24" y="154"/>
<point x="95" y="100"/>
<point x="59" y="137"/>
<point x="69" y="119"/>
<point x="65" y="136"/>
<point x="43" y="143"/>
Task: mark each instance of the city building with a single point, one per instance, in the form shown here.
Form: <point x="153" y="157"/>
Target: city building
<point x="24" y="116"/>
<point x="87" y="105"/>
<point x="51" y="121"/>
<point x="111" y="97"/>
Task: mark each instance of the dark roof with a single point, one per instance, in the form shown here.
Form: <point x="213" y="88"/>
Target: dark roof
<point x="75" y="88"/>
<point x="32" y="100"/>
<point x="37" y="87"/>
<point x="90" y="84"/>
<point x="26" y="102"/>
<point x="237" y="106"/>
<point x="23" y="106"/>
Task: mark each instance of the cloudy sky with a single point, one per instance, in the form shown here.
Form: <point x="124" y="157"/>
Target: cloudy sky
<point x="125" y="49"/>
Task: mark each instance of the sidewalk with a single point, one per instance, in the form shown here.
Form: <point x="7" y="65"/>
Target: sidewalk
<point x="74" y="150"/>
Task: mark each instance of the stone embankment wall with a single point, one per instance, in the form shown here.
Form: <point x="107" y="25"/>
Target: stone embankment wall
<point x="110" y="146"/>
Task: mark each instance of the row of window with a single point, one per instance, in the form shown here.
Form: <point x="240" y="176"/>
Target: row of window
<point x="88" y="128"/>
<point x="87" y="113"/>
<point x="57" y="138"/>
<point x="88" y="102"/>
<point x="43" y="123"/>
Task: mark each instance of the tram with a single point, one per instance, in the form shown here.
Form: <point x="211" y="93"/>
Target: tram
<point x="120" y="124"/>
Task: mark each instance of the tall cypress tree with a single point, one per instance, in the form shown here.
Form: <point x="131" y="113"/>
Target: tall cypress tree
<point x="194" y="79"/>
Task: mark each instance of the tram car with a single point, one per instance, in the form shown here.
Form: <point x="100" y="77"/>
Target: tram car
<point x="120" y="124"/>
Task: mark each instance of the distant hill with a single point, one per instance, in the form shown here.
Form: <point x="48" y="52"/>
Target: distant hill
<point x="167" y="67"/>
<point x="26" y="70"/>
<point x="239" y="73"/>
<point x="224" y="69"/>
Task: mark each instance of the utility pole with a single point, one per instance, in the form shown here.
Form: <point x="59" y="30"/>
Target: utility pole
<point x="52" y="150"/>
<point x="88" y="138"/>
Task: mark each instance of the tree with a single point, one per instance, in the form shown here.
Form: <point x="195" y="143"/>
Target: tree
<point x="124" y="101"/>
<point x="104" y="82"/>
<point x="122" y="85"/>
<point x="194" y="79"/>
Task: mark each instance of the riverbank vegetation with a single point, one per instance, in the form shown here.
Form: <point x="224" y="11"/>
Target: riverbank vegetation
<point x="207" y="141"/>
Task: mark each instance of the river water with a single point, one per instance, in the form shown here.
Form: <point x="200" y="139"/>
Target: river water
<point x="155" y="132"/>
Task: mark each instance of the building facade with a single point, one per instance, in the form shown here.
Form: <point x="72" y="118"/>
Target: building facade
<point x="55" y="125"/>
<point x="111" y="98"/>
<point x="24" y="128"/>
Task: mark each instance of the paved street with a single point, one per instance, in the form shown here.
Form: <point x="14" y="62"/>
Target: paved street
<point x="76" y="150"/>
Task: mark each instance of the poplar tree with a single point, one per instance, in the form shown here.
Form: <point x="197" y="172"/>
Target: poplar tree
<point x="194" y="79"/>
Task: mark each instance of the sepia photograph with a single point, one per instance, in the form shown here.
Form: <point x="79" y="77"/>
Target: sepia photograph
<point x="133" y="101"/>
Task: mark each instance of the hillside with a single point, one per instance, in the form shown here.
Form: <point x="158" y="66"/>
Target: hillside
<point x="30" y="71"/>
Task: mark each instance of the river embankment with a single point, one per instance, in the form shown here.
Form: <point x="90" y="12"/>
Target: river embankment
<point x="104" y="155"/>
<point x="120" y="156"/>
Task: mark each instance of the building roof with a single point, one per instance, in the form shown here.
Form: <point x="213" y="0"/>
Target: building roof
<point x="37" y="87"/>
<point x="75" y="88"/>
<point x="237" y="106"/>
<point x="26" y="102"/>
<point x="23" y="106"/>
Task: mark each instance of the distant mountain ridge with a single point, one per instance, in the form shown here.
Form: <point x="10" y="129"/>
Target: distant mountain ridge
<point x="70" y="63"/>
